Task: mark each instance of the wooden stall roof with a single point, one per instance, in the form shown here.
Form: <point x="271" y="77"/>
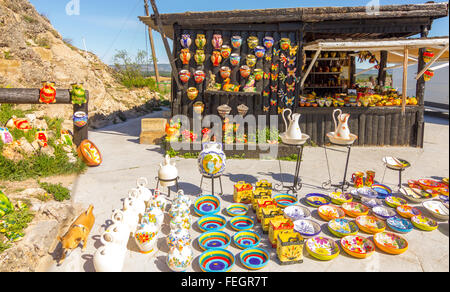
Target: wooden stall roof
<point x="303" y="14"/>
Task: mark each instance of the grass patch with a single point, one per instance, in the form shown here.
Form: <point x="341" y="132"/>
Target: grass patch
<point x="29" y="19"/>
<point x="59" y="192"/>
<point x="12" y="226"/>
<point x="7" y="55"/>
<point x="43" y="42"/>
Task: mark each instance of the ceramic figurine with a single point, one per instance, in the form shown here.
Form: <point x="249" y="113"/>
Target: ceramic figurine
<point x="212" y="159"/>
<point x="78" y="94"/>
<point x="144" y="193"/>
<point x="225" y="51"/>
<point x="192" y="93"/>
<point x="225" y="72"/>
<point x="260" y="51"/>
<point x="157" y="213"/>
<point x="250" y="85"/>
<point x="268" y="42"/>
<point x="185" y="56"/>
<point x="199" y="57"/>
<point x="41" y="137"/>
<point x="293" y="130"/>
<point x="200" y="41"/>
<point x="252" y="42"/>
<point x="6" y="136"/>
<point x="236" y="41"/>
<point x="199" y="76"/>
<point x="48" y="92"/>
<point x="178" y="236"/>
<point x="342" y="131"/>
<point x="211" y="82"/>
<point x="235" y="59"/>
<point x="285" y="44"/>
<point x="245" y="71"/>
<point x="217" y="41"/>
<point x="167" y="173"/>
<point x="251" y="60"/>
<point x="146" y="234"/>
<point x="185" y="75"/>
<point x="180" y="258"/>
<point x="428" y="55"/>
<point x="216" y="58"/>
<point x="186" y="41"/>
<point x="18" y="123"/>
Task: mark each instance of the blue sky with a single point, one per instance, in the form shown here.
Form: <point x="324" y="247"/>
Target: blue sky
<point x="111" y="25"/>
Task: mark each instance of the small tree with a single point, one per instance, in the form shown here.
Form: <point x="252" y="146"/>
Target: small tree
<point x="129" y="70"/>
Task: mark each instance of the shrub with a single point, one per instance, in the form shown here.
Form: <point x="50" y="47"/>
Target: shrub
<point x="59" y="192"/>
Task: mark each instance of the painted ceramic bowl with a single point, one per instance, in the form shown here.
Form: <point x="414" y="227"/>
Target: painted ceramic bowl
<point x="89" y="153"/>
<point x="211" y="223"/>
<point x="367" y="192"/>
<point x="429" y="184"/>
<point x="424" y="223"/>
<point x="340" y="198"/>
<point x="394" y="202"/>
<point x="214" y="239"/>
<point x="237" y="210"/>
<point x="400" y="225"/>
<point x="296" y="213"/>
<point x="254" y="258"/>
<point x="408" y="211"/>
<point x="358" y="246"/>
<point x="246" y="239"/>
<point x="371" y="202"/>
<point x="317" y="200"/>
<point x="216" y="260"/>
<point x="412" y="195"/>
<point x="322" y="248"/>
<point x="342" y="227"/>
<point x="354" y="209"/>
<point x="382" y="190"/>
<point x="240" y="223"/>
<point x="207" y="205"/>
<point x="390" y="242"/>
<point x="80" y="119"/>
<point x="383" y="213"/>
<point x="307" y="228"/>
<point x="370" y="224"/>
<point x="285" y="200"/>
<point x="437" y="209"/>
<point x="329" y="212"/>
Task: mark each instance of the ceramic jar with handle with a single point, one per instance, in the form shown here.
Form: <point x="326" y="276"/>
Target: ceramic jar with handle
<point x="178" y="236"/>
<point x="144" y="193"/>
<point x="180" y="258"/>
<point x="136" y="202"/>
<point x="160" y="201"/>
<point x="293" y="130"/>
<point x="168" y="172"/>
<point x="157" y="212"/>
<point x="370" y="177"/>
<point x="358" y="179"/>
<point x="125" y="217"/>
<point x="146" y="234"/>
<point x="342" y="131"/>
<point x="111" y="256"/>
<point x="182" y="198"/>
<point x="119" y="232"/>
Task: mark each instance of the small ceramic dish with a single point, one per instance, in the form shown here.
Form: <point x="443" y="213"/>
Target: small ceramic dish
<point x="370" y="224"/>
<point x="394" y="202"/>
<point x="424" y="223"/>
<point x="342" y="227"/>
<point x="254" y="258"/>
<point x="340" y="198"/>
<point x="358" y="246"/>
<point x="340" y="141"/>
<point x="400" y="225"/>
<point x="427" y="184"/>
<point x="240" y="223"/>
<point x="211" y="223"/>
<point x="437" y="209"/>
<point x="367" y="192"/>
<point x="444" y="191"/>
<point x="307" y="228"/>
<point x="206" y="205"/>
<point x="322" y="248"/>
<point x="317" y="200"/>
<point x="371" y="203"/>
<point x="214" y="239"/>
<point x="237" y="210"/>
<point x="412" y="195"/>
<point x="407" y="211"/>
<point x="296" y="212"/>
<point x="382" y="190"/>
<point x="382" y="212"/>
<point x="390" y="242"/>
<point x="329" y="212"/>
<point x="354" y="209"/>
<point x="246" y="239"/>
<point x="412" y="183"/>
<point x="395" y="163"/>
<point x="216" y="260"/>
<point x="285" y="200"/>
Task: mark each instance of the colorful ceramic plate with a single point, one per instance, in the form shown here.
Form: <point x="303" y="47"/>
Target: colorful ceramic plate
<point x="367" y="192"/>
<point x="370" y="224"/>
<point x="329" y="212"/>
<point x="443" y="191"/>
<point x="214" y="239"/>
<point x="394" y="202"/>
<point x="254" y="258"/>
<point x="412" y="183"/>
<point x="211" y="223"/>
<point x="207" y="205"/>
<point x="317" y="200"/>
<point x="395" y="163"/>
<point x="240" y="223"/>
<point x="339" y="198"/>
<point x="89" y="153"/>
<point x="296" y="212"/>
<point x="354" y="209"/>
<point x="342" y="227"/>
<point x="216" y="260"/>
<point x="410" y="194"/>
<point x="383" y="213"/>
<point x="437" y="209"/>
<point x="246" y="239"/>
<point x="307" y="228"/>
<point x="285" y="200"/>
<point x="382" y="190"/>
<point x="358" y="246"/>
<point x="322" y="248"/>
<point x="424" y="223"/>
<point x="408" y="211"/>
<point x="371" y="202"/>
<point x="237" y="210"/>
<point x="429" y="184"/>
<point x="399" y="224"/>
<point x="390" y="242"/>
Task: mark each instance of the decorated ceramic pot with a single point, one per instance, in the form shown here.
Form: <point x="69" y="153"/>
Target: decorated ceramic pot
<point x="6" y="136"/>
<point x="160" y="201"/>
<point x="236" y="41"/>
<point x="216" y="58"/>
<point x="225" y="51"/>
<point x="185" y="56"/>
<point x="146" y="234"/>
<point x="212" y="159"/>
<point x="157" y="213"/>
<point x="182" y="221"/>
<point x="199" y="57"/>
<point x="192" y="93"/>
<point x="180" y="258"/>
<point x="245" y="71"/>
<point x="251" y="60"/>
<point x="126" y="218"/>
<point x="217" y="41"/>
<point x="225" y="72"/>
<point x="179" y="209"/>
<point x="80" y="119"/>
<point x="200" y="41"/>
<point x="78" y="94"/>
<point x="48" y="92"/>
<point x="199" y="76"/>
<point x="185" y="75"/>
<point x="185" y="41"/>
<point x="285" y="44"/>
<point x="252" y="42"/>
<point x="167" y="173"/>
<point x="109" y="257"/>
<point x="144" y="193"/>
<point x="178" y="237"/>
<point x="199" y="107"/>
<point x="268" y="42"/>
<point x="260" y="51"/>
<point x="235" y="59"/>
<point x="259" y="74"/>
<point x="181" y="198"/>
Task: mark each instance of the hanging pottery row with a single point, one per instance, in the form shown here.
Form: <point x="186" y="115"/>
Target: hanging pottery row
<point x="47" y="94"/>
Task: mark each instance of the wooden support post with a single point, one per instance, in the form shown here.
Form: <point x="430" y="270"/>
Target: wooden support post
<point x="381" y="72"/>
<point x="420" y="93"/>
<point x="313" y="61"/>
<point x="432" y="61"/>
<point x="80" y="134"/>
<point x="152" y="46"/>
<point x="405" y="79"/>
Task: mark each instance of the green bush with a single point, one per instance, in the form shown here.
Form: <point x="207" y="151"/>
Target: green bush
<point x="59" y="192"/>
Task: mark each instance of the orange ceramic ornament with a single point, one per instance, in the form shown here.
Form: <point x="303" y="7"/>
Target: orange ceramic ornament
<point x="47" y="93"/>
<point x="89" y="153"/>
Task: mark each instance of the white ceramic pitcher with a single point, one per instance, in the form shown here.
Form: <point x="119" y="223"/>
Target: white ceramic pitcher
<point x="293" y="130"/>
<point x="341" y="130"/>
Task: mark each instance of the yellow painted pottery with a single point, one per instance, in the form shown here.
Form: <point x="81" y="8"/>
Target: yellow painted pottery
<point x="394" y="201"/>
<point x="275" y="226"/>
<point x="358" y="246"/>
<point x="342" y="227"/>
<point x="370" y="224"/>
<point x="340" y="198"/>
<point x="354" y="209"/>
<point x="322" y="248"/>
<point x="268" y="213"/>
<point x="289" y="247"/>
<point x="424" y="223"/>
<point x="390" y="242"/>
<point x="408" y="211"/>
<point x="262" y="203"/>
<point x="328" y="212"/>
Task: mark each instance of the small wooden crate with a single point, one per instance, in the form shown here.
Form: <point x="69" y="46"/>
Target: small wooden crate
<point x="243" y="193"/>
<point x="258" y="194"/>
<point x="264" y="184"/>
<point x="290" y="247"/>
<point x="276" y="226"/>
<point x="262" y="203"/>
<point x="268" y="213"/>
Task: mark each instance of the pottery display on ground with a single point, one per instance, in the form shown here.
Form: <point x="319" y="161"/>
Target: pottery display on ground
<point x="437" y="209"/>
<point x="237" y="210"/>
<point x="322" y="248"/>
<point x="424" y="223"/>
<point x="329" y="212"/>
<point x="342" y="227"/>
<point x="110" y="257"/>
<point x="307" y="228"/>
<point x="216" y="260"/>
<point x="180" y="257"/>
<point x="358" y="246"/>
<point x="296" y="213"/>
<point x="254" y="258"/>
<point x="125" y="217"/>
<point x="240" y="223"/>
<point x="145" y="194"/>
<point x="207" y="205"/>
<point x="382" y="212"/>
<point x="211" y="223"/>
<point x="400" y="225"/>
<point x="146" y="234"/>
<point x="408" y="211"/>
<point x="182" y="221"/>
<point x="246" y="239"/>
<point x="370" y="224"/>
<point x="394" y="201"/>
<point x="390" y="242"/>
<point x="214" y="239"/>
<point x="137" y="203"/>
<point x="178" y="237"/>
<point x="340" y="198"/>
<point x="317" y="200"/>
<point x="354" y="209"/>
<point x="157" y="212"/>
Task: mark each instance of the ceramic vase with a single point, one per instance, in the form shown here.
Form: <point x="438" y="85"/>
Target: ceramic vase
<point x="199" y="57"/>
<point x="182" y="198"/>
<point x="178" y="209"/>
<point x="217" y="41"/>
<point x="185" y="41"/>
<point x="109" y="257"/>
<point x="225" y="72"/>
<point x="216" y="58"/>
<point x="212" y="159"/>
<point x="168" y="172"/>
<point x="138" y="203"/>
<point x="126" y="218"/>
<point x="144" y="193"/>
<point x="78" y="94"/>
<point x="180" y="258"/>
<point x="157" y="213"/>
<point x="260" y="51"/>
<point x="251" y="60"/>
<point x="146" y="234"/>
<point x="259" y="74"/>
<point x="285" y="44"/>
<point x="185" y="75"/>
<point x="235" y="59"/>
<point x="252" y="42"/>
<point x="120" y="232"/>
<point x="178" y="236"/>
<point x="200" y="41"/>
<point x="225" y="51"/>
<point x="80" y="119"/>
<point x="236" y="41"/>
<point x="160" y="201"/>
<point x="341" y="128"/>
<point x="199" y="76"/>
<point x="181" y="222"/>
<point x="198" y="107"/>
<point x="268" y="42"/>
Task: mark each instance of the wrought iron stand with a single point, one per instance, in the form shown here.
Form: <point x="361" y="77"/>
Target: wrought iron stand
<point x="345" y="184"/>
<point x="168" y="188"/>
<point x="212" y="183"/>
<point x="400" y="170"/>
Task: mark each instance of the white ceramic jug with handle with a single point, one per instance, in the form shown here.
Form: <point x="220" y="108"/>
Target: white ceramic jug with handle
<point x="144" y="193"/>
<point x="111" y="256"/>
<point x="341" y="129"/>
<point x="293" y="130"/>
<point x="137" y="202"/>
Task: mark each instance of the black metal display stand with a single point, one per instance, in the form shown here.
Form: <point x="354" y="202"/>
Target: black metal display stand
<point x="212" y="183"/>
<point x="168" y="188"/>
<point x="400" y="170"/>
<point x="345" y="184"/>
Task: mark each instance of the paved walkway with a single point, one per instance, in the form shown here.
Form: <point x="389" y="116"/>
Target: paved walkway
<point x="125" y="160"/>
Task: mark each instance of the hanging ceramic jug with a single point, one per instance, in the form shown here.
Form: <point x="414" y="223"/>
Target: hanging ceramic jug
<point x="180" y="258"/>
<point x="186" y="41"/>
<point x="144" y="193"/>
<point x="200" y="41"/>
<point x="110" y="257"/>
<point x="146" y="234"/>
<point x="167" y="173"/>
<point x="157" y="213"/>
<point x="178" y="236"/>
<point x="212" y="159"/>
<point x="341" y="130"/>
<point x="293" y="130"/>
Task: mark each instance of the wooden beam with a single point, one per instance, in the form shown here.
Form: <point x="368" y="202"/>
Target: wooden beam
<point x="414" y="58"/>
<point x="31" y="96"/>
<point x="313" y="61"/>
<point x="365" y="70"/>
<point x="152" y="46"/>
<point x="435" y="58"/>
<point x="381" y="80"/>
<point x="439" y="66"/>
<point x="405" y="79"/>
<point x="399" y="66"/>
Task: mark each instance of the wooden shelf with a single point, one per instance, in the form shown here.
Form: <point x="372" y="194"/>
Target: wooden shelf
<point x="239" y="93"/>
<point x="326" y="73"/>
<point x="326" y="59"/>
<point x="336" y="87"/>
